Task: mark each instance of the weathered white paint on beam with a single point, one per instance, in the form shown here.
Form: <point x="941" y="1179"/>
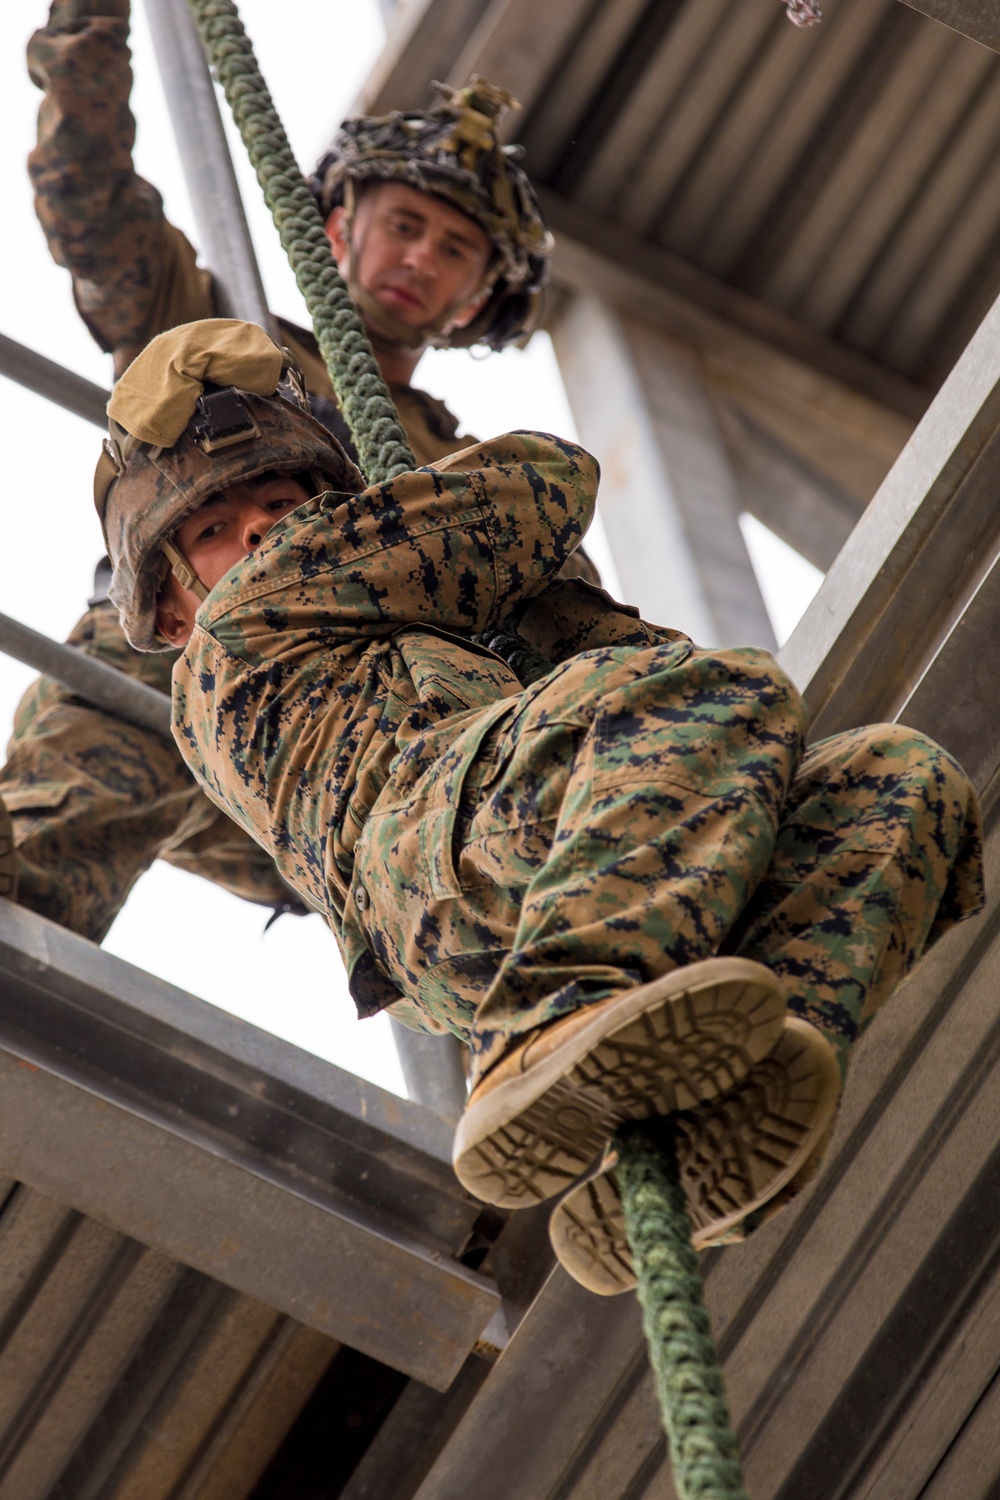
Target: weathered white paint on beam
<point x="922" y="556"/>
<point x="779" y="487"/>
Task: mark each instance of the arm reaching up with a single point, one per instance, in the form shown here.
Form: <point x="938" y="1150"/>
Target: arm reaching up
<point x="133" y="272"/>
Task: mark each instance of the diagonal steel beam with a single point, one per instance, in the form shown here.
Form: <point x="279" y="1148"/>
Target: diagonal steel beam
<point x="207" y="164"/>
<point x="915" y="580"/>
<point x="234" y="1153"/>
<point x="93" y="680"/>
<point x="46" y="378"/>
<point x="978" y="19"/>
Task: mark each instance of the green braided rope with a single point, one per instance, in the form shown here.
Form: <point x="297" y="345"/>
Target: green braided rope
<point x="379" y="438"/>
<point x="682" y="1351"/>
<point x="525" y="660"/>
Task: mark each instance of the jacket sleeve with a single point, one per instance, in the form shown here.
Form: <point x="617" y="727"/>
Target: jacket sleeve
<point x="134" y="274"/>
<point x="474" y="536"/>
<point x="539" y="493"/>
<point x="456" y="546"/>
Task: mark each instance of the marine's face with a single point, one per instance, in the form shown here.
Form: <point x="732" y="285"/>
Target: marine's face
<point x="419" y="257"/>
<point x="215" y="537"/>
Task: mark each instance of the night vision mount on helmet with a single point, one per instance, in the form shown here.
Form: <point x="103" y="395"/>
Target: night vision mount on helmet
<point x="452" y="151"/>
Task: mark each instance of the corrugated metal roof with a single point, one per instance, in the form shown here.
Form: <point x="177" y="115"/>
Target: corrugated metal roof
<point x="848" y="175"/>
<point x="124" y="1374"/>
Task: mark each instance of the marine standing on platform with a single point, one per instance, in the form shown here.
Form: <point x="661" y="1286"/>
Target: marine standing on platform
<point x="438" y="232"/>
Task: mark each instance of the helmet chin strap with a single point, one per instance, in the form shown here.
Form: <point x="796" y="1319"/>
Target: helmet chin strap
<point x="183" y="572"/>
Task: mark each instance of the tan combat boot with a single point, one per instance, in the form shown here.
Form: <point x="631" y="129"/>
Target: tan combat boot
<point x="756" y="1145"/>
<point x="543" y="1113"/>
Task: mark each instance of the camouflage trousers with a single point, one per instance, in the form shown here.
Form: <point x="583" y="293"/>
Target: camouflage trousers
<point x="640" y="809"/>
<point x="94" y="801"/>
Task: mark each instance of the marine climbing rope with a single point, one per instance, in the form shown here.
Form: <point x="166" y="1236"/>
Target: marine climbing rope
<point x="682" y="1352"/>
<point x="379" y="439"/>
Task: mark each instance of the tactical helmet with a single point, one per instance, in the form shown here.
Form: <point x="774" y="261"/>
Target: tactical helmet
<point x="204" y="406"/>
<point x="452" y="151"/>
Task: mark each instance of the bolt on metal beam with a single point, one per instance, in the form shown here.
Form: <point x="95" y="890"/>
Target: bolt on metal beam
<point x="46" y="378"/>
<point x="208" y="166"/>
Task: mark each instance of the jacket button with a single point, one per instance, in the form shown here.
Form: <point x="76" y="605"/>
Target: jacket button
<point x="361" y="897"/>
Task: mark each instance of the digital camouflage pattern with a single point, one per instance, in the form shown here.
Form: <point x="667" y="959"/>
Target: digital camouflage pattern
<point x="161" y="396"/>
<point x="499" y="857"/>
<point x="366" y="569"/>
<point x="644" y="808"/>
<point x="135" y="274"/>
<point x="94" y="801"/>
<point x="8" y="857"/>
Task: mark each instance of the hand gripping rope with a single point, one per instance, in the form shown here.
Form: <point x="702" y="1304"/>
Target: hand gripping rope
<point x="682" y="1352"/>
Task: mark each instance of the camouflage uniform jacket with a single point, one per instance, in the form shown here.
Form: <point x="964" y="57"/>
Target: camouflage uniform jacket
<point x="328" y="664"/>
<point x="134" y="273"/>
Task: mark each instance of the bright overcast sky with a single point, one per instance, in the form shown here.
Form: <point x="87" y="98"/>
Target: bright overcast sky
<point x="314" y="58"/>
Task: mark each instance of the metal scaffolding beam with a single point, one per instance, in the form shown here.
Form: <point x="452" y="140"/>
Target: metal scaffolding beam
<point x="208" y="167"/>
<point x="46" y="378"/>
<point x="232" y="1152"/>
<point x="668" y="496"/>
<point x="432" y="1070"/>
<point x="976" y="18"/>
<point x="96" y="682"/>
<point x="904" y="620"/>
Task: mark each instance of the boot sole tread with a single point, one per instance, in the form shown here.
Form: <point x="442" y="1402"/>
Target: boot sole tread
<point x="690" y="1047"/>
<point x="734" y="1156"/>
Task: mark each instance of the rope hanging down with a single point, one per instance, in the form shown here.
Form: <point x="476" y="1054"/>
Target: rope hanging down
<point x="381" y="443"/>
<point x="682" y="1352"/>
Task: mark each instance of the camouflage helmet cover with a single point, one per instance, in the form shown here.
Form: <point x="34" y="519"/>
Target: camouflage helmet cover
<point x="452" y="151"/>
<point x="143" y="492"/>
